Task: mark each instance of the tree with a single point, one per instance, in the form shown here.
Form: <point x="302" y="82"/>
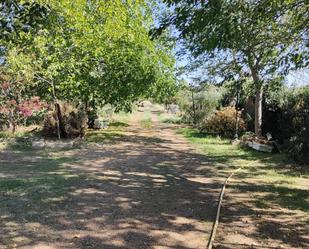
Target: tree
<point x="96" y="53"/>
<point x="266" y="38"/>
<point x="100" y="53"/>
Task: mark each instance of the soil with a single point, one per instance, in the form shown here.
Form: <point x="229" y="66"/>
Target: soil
<point x="146" y="189"/>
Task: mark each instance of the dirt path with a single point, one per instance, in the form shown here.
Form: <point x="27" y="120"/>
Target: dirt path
<point x="147" y="190"/>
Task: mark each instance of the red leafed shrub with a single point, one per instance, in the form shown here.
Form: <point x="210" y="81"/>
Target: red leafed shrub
<point x="28" y="107"/>
<point x="223" y="122"/>
<point x="15" y="112"/>
<point x="25" y="108"/>
<point x="16" y="105"/>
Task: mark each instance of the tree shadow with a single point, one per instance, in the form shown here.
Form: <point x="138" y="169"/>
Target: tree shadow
<point x="139" y="192"/>
<point x="262" y="208"/>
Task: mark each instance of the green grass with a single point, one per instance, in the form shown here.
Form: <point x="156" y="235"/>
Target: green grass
<point x="146" y="121"/>
<point x="222" y="151"/>
<point x="171" y="119"/>
<point x="122" y="117"/>
<point x="19" y="140"/>
<point x="279" y="180"/>
<point x="8" y="134"/>
<point x="112" y="133"/>
<point x="15" y="141"/>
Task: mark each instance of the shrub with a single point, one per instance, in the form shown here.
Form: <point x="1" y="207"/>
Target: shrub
<point x="72" y="122"/>
<point x="300" y="141"/>
<point x="223" y="122"/>
<point x="287" y="121"/>
<point x="205" y="102"/>
<point x="300" y="146"/>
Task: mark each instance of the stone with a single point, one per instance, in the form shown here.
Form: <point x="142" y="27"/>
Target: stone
<point x="38" y="144"/>
<point x="259" y="146"/>
<point x="172" y="109"/>
<point x="100" y="124"/>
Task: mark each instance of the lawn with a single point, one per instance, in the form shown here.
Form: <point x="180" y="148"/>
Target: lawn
<point x="275" y="170"/>
<point x="267" y="199"/>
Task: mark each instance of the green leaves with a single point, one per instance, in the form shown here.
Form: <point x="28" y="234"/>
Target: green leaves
<point x="263" y="31"/>
<point x="98" y="52"/>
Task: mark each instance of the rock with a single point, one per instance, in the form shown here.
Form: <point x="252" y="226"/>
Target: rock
<point x="269" y="136"/>
<point x="38" y="144"/>
<point x="62" y="144"/>
<point x="236" y="142"/>
<point x="173" y="109"/>
<point x="100" y="124"/>
<point x="259" y="146"/>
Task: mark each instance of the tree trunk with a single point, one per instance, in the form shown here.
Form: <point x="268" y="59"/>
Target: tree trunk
<point x="258" y="112"/>
<point x="60" y="123"/>
<point x="258" y="100"/>
<point x="57" y="109"/>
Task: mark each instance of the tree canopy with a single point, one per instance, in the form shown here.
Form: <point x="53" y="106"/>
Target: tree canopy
<point x="95" y="52"/>
<point x="262" y="38"/>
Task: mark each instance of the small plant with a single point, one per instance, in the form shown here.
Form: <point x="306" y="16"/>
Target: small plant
<point x="146" y="123"/>
<point x="223" y="122"/>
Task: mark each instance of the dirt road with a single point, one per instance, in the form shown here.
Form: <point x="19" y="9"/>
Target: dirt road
<point x="147" y="189"/>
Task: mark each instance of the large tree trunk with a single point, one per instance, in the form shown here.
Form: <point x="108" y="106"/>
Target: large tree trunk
<point x="258" y="100"/>
<point x="60" y="125"/>
<point x="258" y="111"/>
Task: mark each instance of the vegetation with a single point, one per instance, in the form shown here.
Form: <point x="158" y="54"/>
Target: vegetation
<point x="197" y="104"/>
<point x="224" y="122"/>
<point x="271" y="174"/>
<point x="86" y="52"/>
<point x="261" y="39"/>
<point x="105" y="75"/>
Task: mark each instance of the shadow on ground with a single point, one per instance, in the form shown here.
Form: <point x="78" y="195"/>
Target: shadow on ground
<point x="266" y="204"/>
<point x="138" y="192"/>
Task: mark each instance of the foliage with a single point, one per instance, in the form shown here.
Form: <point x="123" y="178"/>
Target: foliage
<point x="197" y="104"/>
<point x="109" y="57"/>
<point x="94" y="52"/>
<point x="223" y="122"/>
<point x="300" y="123"/>
<point x="300" y="145"/>
<point x="20" y="16"/>
<point x="263" y="39"/>
<point x="73" y="122"/>
<point x="286" y="118"/>
<point x="17" y="105"/>
<point x="106" y="112"/>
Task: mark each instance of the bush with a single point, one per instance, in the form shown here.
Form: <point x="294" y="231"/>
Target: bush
<point x="205" y="102"/>
<point x="223" y="122"/>
<point x="300" y="146"/>
<point x="72" y="122"/>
